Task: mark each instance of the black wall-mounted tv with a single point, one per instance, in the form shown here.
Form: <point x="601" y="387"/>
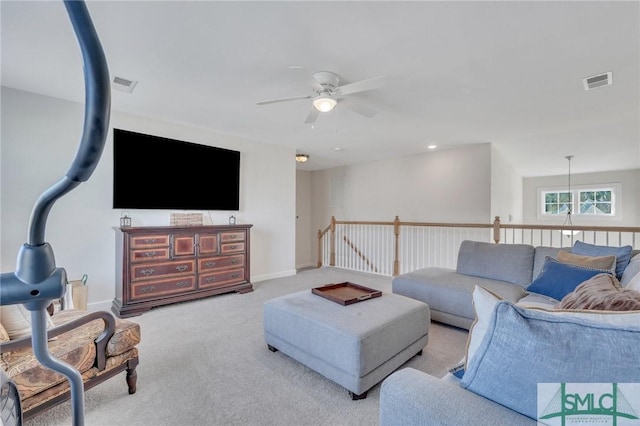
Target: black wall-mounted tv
<point x="152" y="172"/>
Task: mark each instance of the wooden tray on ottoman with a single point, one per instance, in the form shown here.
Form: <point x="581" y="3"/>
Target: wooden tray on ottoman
<point x="346" y="293"/>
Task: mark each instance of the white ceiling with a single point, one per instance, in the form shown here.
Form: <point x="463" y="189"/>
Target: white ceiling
<point x="505" y="72"/>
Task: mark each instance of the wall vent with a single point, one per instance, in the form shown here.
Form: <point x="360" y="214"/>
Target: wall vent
<point x="123" y="84"/>
<point x="597" y="80"/>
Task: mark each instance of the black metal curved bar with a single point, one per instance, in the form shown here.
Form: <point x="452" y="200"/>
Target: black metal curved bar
<point x="37" y="281"/>
<point x="96" y="118"/>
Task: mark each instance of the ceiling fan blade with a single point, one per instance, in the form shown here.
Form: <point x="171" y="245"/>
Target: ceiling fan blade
<point x="273" y="101"/>
<point x="362" y="85"/>
<point x="359" y="108"/>
<point x="313" y="116"/>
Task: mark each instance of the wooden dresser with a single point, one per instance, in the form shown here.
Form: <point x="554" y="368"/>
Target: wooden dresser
<point x="167" y="264"/>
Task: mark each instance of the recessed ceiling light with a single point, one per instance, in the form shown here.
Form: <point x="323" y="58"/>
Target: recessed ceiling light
<point x="337" y="148"/>
<point x="432" y="146"/>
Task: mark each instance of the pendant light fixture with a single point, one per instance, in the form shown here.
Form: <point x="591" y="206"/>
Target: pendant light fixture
<point x="567" y="220"/>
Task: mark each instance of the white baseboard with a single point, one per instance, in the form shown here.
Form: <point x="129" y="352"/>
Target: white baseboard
<point x="306" y="266"/>
<point x="100" y="306"/>
<point x="264" y="277"/>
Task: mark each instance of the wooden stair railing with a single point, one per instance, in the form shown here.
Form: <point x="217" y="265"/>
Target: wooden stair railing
<point x="359" y="253"/>
<point x="449" y="236"/>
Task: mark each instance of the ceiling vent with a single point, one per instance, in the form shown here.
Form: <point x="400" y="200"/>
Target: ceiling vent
<point x="598" y="80"/>
<point x="123" y="85"/>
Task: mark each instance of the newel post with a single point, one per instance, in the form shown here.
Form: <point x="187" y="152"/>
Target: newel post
<point x="396" y="260"/>
<point x="496" y="230"/>
<point x="332" y="258"/>
<point x="319" y="248"/>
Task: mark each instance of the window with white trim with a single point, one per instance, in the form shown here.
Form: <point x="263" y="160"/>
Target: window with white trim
<point x="599" y="202"/>
<point x="583" y="201"/>
<point x="557" y="202"/>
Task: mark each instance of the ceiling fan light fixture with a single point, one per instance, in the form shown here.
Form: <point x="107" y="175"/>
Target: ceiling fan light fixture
<point x="324" y="103"/>
<point x="301" y="158"/>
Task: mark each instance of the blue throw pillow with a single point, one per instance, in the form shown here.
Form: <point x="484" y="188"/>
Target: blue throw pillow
<point x="524" y="347"/>
<point x="557" y="279"/>
<point x="458" y="370"/>
<point x="622" y="254"/>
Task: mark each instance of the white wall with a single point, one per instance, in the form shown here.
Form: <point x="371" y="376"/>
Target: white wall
<point x="629" y="181"/>
<point x="305" y="235"/>
<point x="506" y="189"/>
<point x="39" y="140"/>
<point x="440" y="186"/>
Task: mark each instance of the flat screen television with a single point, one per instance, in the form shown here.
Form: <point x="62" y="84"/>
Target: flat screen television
<point x="153" y="172"/>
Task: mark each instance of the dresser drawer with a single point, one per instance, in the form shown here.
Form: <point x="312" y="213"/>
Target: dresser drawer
<point x="219" y="279"/>
<point x="147" y="241"/>
<point x="222" y="262"/>
<point x="150" y="290"/>
<point x="227" y="237"/>
<point x="162" y="269"/>
<point x="231" y="248"/>
<point x="160" y="253"/>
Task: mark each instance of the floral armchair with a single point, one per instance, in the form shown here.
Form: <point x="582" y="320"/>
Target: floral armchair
<point x="96" y="343"/>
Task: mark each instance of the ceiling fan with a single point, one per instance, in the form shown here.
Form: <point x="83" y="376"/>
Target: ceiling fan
<point x="327" y="92"/>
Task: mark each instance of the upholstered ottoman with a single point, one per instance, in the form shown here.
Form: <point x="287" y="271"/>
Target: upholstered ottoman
<point x="357" y="345"/>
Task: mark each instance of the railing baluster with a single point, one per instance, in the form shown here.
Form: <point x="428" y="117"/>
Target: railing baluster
<point x="395" y="247"/>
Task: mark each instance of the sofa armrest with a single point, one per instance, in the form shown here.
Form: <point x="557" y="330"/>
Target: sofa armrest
<point x="411" y="397"/>
<point x="100" y="342"/>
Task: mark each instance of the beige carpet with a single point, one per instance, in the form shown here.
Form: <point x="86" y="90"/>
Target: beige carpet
<point x="206" y="363"/>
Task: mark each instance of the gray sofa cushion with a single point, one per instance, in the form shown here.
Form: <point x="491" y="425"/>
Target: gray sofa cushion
<point x="540" y="253"/>
<point x="505" y="262"/>
<point x="411" y="397"/>
<point x="445" y="290"/>
<point x="632" y="269"/>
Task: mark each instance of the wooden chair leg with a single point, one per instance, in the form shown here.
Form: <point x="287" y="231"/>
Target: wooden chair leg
<point x="132" y="375"/>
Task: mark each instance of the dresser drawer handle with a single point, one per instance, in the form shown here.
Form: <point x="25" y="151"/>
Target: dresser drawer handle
<point x="181" y="268"/>
<point x="150" y="240"/>
<point x="182" y="284"/>
<point x="234" y="261"/>
<point x="147" y="289"/>
<point x="150" y="253"/>
<point x="210" y="264"/>
<point x="233" y="247"/>
<point x="210" y="279"/>
<point x="147" y="272"/>
<point x="235" y="275"/>
<point x="233" y="237"/>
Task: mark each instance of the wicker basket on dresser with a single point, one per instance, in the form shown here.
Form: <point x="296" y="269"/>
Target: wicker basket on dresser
<point x="167" y="264"/>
